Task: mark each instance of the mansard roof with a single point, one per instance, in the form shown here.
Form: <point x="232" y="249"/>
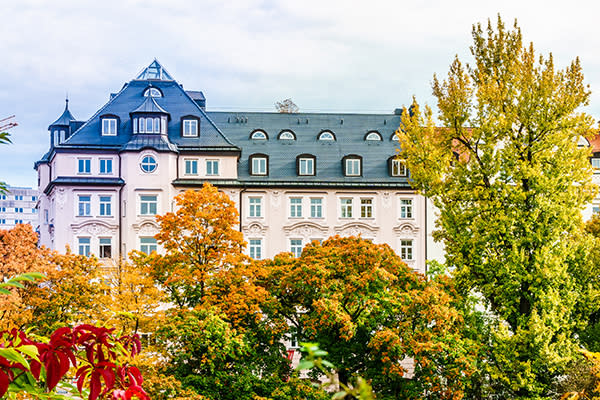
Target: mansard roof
<point x="65" y="118"/>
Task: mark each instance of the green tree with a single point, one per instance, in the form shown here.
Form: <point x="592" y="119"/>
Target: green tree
<point x="510" y="182"/>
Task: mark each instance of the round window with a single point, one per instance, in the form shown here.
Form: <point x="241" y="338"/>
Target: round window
<point x="148" y="164"/>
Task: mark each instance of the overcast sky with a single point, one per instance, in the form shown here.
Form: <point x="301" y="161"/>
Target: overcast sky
<point x="330" y="56"/>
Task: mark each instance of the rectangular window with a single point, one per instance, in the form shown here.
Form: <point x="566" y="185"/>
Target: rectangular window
<point x="149" y="125"/>
<point x="366" y="208"/>
<point x="596" y="163"/>
<point x="191" y="167"/>
<point x="33" y="198"/>
<point x="296" y="207"/>
<point x="406" y="249"/>
<point x="255" y="207"/>
<point x="398" y="168"/>
<point x="105" y="205"/>
<point x="190" y="127"/>
<point x="2" y="209"/>
<point x="316" y="208"/>
<point x="106" y="165"/>
<point x="19" y="210"/>
<point x="406" y="208"/>
<point x="306" y="166"/>
<point x="18" y="221"/>
<point x="19" y="197"/>
<point x="296" y="247"/>
<point x="105" y="250"/>
<point x="84" y="246"/>
<point x="2" y="221"/>
<point x="84" y="205"/>
<point x="259" y="166"/>
<point x="46" y="217"/>
<point x="148" y="204"/>
<point x="2" y="197"/>
<point x="148" y="245"/>
<point x="346" y="208"/>
<point x="84" y="165"/>
<point x="109" y="126"/>
<point x="212" y="167"/>
<point x="353" y="167"/>
<point x="256" y="249"/>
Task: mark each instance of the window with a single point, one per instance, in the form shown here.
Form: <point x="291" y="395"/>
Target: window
<point x="148" y="164"/>
<point x="306" y="165"/>
<point x="256" y="249"/>
<point x="106" y="165"/>
<point x="33" y="198"/>
<point x="296" y="247"/>
<point x="2" y="197"/>
<point x="34" y="210"/>
<point x="19" y="210"/>
<point x="596" y="163"/>
<point x="105" y="250"/>
<point x="19" y="197"/>
<point x="316" y="208"/>
<point x="84" y="205"/>
<point x="2" y="221"/>
<point x="397" y="167"/>
<point x="148" y="245"/>
<point x="191" y="167"/>
<point x="596" y="209"/>
<point x="18" y="221"/>
<point x="148" y="204"/>
<point x="105" y="206"/>
<point x="352" y="166"/>
<point x="84" y="165"/>
<point x="84" y="246"/>
<point x="373" y="136"/>
<point x="190" y="127"/>
<point x="152" y="92"/>
<point x="109" y="126"/>
<point x="394" y="137"/>
<point x="258" y="135"/>
<point x="62" y="136"/>
<point x="258" y="165"/>
<point x="2" y="209"/>
<point x="286" y="135"/>
<point x="406" y="249"/>
<point x="326" y="135"/>
<point x="46" y="217"/>
<point x="406" y="208"/>
<point x="212" y="167"/>
<point x="255" y="207"/>
<point x="346" y="208"/>
<point x="296" y="207"/>
<point x="366" y="208"/>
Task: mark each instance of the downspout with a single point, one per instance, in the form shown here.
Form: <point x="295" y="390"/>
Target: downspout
<point x="120" y="213"/>
<point x="241" y="207"/>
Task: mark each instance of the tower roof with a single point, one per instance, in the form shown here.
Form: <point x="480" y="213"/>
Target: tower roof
<point x="65" y="118"/>
<point x="154" y="71"/>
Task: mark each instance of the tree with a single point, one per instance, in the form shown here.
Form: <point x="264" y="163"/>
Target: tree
<point x="510" y="182"/>
<point x="286" y="106"/>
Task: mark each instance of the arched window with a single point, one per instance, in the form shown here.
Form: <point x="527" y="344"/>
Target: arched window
<point x="326" y="135"/>
<point x="148" y="164"/>
<point x="286" y="135"/>
<point x="394" y="137"/>
<point x="152" y="92"/>
<point x="259" y="135"/>
<point x="373" y="136"/>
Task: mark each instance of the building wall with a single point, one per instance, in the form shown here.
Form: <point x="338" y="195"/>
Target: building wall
<point x="18" y="205"/>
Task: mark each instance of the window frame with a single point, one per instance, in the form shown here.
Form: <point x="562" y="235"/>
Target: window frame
<point x="87" y="247"/>
<point x="147" y="204"/>
<point x="143" y="162"/>
<point x="295" y="246"/>
<point x="257" y="132"/>
<point x="406" y="209"/>
<point x="315" y="207"/>
<point x="212" y="162"/>
<point x="373" y="136"/>
<point x="102" y="247"/>
<point x="87" y="205"/>
<point x="367" y="208"/>
<point x="189" y="119"/>
<point x="253" y="207"/>
<point x="253" y="247"/>
<point x="407" y="250"/>
<point x="306" y="157"/>
<point x="150" y="242"/>
<point x="87" y="164"/>
<point x="107" y="121"/>
<point x="394" y="160"/>
<point x="107" y="163"/>
<point x="346" y="208"/>
<point x="352" y="158"/>
<point x="258" y="156"/>
<point x="192" y="163"/>
<point x="295" y="207"/>
<point x="285" y="132"/>
<point x="326" y="132"/>
<point x="104" y="206"/>
<point x="148" y="92"/>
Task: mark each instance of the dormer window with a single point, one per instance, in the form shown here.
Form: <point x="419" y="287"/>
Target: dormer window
<point x="109" y="126"/>
<point x="152" y="92"/>
<point x="259" y="164"/>
<point x="352" y="165"/>
<point x="373" y="136"/>
<point x="259" y="135"/>
<point x="394" y="137"/>
<point x="326" y="136"/>
<point x="305" y="165"/>
<point x="286" y="135"/>
<point x="397" y="167"/>
<point x="189" y="126"/>
<point x="150" y="125"/>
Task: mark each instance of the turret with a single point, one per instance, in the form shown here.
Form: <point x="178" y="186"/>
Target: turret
<point x="60" y="130"/>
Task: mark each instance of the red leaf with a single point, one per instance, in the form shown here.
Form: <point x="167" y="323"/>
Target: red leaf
<point x="95" y="386"/>
<point x="36" y="368"/>
<point x="4" y="382"/>
<point x="109" y="378"/>
<point x="136" y="391"/>
<point x="53" y="374"/>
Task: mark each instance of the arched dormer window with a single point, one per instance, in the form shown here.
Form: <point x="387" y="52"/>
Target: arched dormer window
<point x="190" y="126"/>
<point x="152" y="92"/>
<point x="286" y="135"/>
<point x="373" y="136"/>
<point x="326" y="136"/>
<point x="306" y="165"/>
<point x="109" y="125"/>
<point x="352" y="165"/>
<point x="394" y="137"/>
<point x="259" y="164"/>
<point x="259" y="135"/>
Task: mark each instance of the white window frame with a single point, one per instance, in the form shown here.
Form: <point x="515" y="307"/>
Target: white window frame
<point x="107" y="163"/>
<point x="258" y="135"/>
<point x="84" y="249"/>
<point x="346" y="205"/>
<point x="105" y="207"/>
<point x="407" y="249"/>
<point x="295" y="207"/>
<point x="296" y="246"/>
<point x="255" y="207"/>
<point x="326" y="136"/>
<point x="147" y="204"/>
<point x="374" y="137"/>
<point x="399" y="168"/>
<point x="316" y="209"/>
<point x="255" y="250"/>
<point x="353" y="166"/>
<point x="306" y="166"/>
<point x="287" y="135"/>
<point x="259" y="166"/>
<point x="367" y="208"/>
<point x="87" y="162"/>
<point x="148" y="244"/>
<point x="190" y="127"/>
<point x="102" y="246"/>
<point x="406" y="209"/>
<point x="212" y="167"/>
<point x="109" y="127"/>
<point x="191" y="166"/>
<point x="86" y="211"/>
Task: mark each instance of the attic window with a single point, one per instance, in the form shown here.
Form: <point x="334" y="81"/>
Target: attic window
<point x="373" y="136"/>
<point x="326" y="135"/>
<point x="152" y="92"/>
<point x="109" y="126"/>
<point x="287" y="135"/>
<point x="258" y="135"/>
<point x="394" y="137"/>
<point x="189" y="126"/>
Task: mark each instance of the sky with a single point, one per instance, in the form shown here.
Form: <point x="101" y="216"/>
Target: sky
<point x="328" y="56"/>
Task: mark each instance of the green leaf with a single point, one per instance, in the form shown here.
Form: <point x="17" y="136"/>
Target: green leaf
<point x="29" y="350"/>
<point x="305" y="364"/>
<point x="14" y="356"/>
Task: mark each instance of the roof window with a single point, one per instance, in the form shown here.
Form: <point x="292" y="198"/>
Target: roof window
<point x="373" y="136"/>
<point x="326" y="135"/>
<point x="259" y="135"/>
<point x="286" y="135"/>
<point x="152" y="92"/>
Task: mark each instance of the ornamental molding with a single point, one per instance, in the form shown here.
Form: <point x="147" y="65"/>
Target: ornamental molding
<point x="405" y="229"/>
<point x="61" y="198"/>
<point x="146" y="228"/>
<point x="94" y="228"/>
<point x="255" y="229"/>
<point x="307" y="230"/>
<point x="276" y="199"/>
<point x="386" y="199"/>
<point x="356" y="229"/>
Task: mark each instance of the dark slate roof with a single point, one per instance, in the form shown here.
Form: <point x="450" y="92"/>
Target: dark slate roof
<point x="66" y="117"/>
<point x="66" y="180"/>
<point x="142" y="141"/>
<point x="149" y="106"/>
<point x="349" y="129"/>
<point x="196" y="94"/>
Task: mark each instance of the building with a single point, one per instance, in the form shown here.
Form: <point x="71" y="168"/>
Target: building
<point x="18" y="206"/>
<point x="294" y="177"/>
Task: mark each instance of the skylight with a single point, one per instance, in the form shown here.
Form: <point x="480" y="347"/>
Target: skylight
<point x="155" y="71"/>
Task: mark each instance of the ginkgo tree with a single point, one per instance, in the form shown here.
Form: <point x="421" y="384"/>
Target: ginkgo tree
<point x="506" y="173"/>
